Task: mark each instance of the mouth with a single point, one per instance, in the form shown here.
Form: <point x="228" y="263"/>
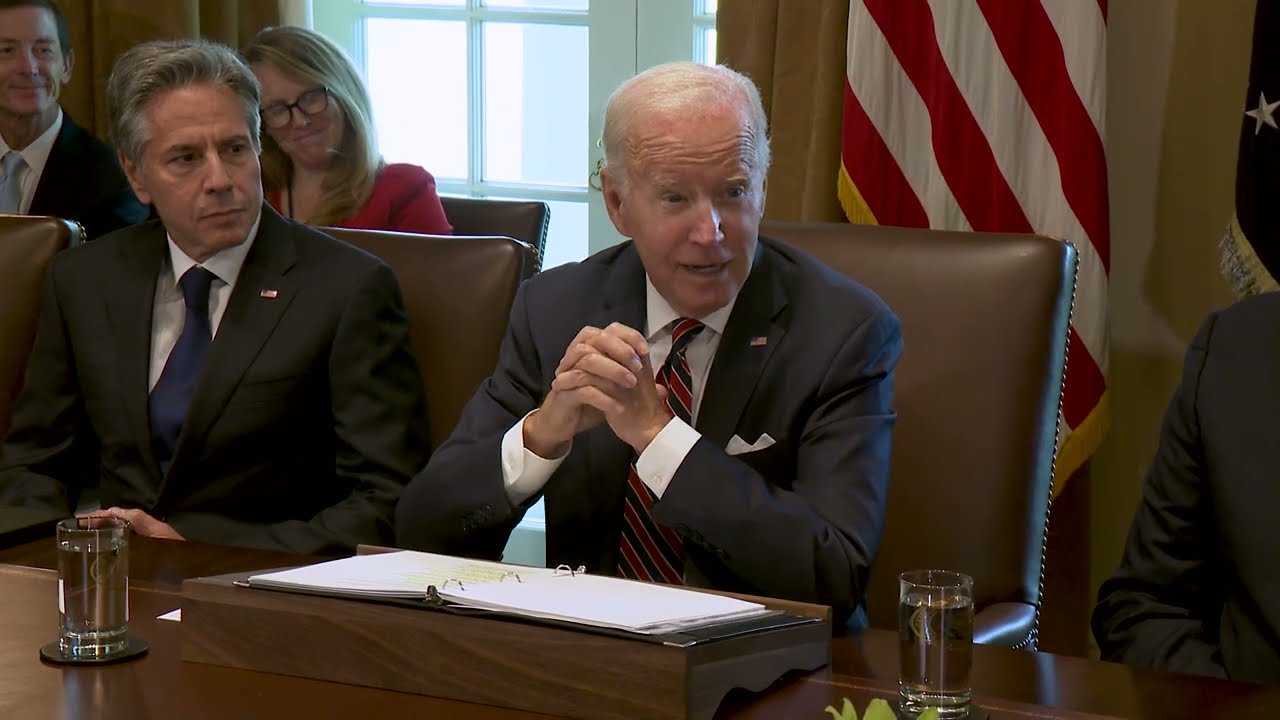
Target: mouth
<point x="704" y="269"/>
<point x="222" y="215"/>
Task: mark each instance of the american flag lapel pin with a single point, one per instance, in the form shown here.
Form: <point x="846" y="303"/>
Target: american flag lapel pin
<point x="268" y="294"/>
<point x="759" y="341"/>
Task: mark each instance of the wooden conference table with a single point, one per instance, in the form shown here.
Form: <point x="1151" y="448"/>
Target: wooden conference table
<point x="1007" y="683"/>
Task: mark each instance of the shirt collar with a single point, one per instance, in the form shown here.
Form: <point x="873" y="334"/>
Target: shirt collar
<point x="659" y="313"/>
<point x="37" y="153"/>
<point x="224" y="264"/>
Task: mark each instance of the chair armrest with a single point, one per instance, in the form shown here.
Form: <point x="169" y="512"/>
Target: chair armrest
<point x="1008" y="624"/>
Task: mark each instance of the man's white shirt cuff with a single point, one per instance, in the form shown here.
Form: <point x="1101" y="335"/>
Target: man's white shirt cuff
<point x="523" y="471"/>
<point x="660" y="461"/>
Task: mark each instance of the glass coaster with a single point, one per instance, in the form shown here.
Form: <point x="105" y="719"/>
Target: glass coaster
<point x="134" y="647"/>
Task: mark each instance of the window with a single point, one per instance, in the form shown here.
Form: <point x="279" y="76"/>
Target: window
<point x="503" y="98"/>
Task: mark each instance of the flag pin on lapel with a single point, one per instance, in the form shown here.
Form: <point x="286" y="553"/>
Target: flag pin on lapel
<point x="759" y="341"/>
<point x="268" y="294"/>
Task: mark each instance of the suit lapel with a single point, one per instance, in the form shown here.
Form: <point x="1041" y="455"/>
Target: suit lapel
<point x="130" y="306"/>
<point x="607" y="457"/>
<point x="57" y="168"/>
<point x="246" y="325"/>
<point x="741" y="355"/>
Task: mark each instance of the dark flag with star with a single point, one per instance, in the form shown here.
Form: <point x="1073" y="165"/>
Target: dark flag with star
<point x="1251" y="245"/>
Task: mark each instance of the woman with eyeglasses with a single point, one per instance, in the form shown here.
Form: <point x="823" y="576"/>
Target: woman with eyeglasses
<point x="320" y="161"/>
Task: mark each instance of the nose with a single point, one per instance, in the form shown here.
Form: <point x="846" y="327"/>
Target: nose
<point x="27" y="63"/>
<point x="218" y="178"/>
<point x="297" y="118"/>
<point x="708" y="227"/>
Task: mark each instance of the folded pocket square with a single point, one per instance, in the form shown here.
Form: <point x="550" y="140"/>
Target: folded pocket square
<point x="738" y="446"/>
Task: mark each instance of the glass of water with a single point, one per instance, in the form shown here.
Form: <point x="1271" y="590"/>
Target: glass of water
<point x="93" y="587"/>
<point x="935" y="642"/>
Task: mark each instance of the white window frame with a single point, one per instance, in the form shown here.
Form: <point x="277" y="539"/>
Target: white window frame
<point x="640" y="34"/>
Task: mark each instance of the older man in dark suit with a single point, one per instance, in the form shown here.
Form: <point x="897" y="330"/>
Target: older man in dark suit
<point x="49" y="165"/>
<point x="697" y="405"/>
<point x="223" y="374"/>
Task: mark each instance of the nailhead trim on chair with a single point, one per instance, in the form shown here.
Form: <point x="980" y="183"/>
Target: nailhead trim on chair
<point x="1033" y="638"/>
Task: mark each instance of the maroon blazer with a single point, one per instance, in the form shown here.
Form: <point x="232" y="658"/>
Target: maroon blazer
<point x="404" y="198"/>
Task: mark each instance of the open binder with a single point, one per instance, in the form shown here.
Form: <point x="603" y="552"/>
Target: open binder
<point x="561" y="595"/>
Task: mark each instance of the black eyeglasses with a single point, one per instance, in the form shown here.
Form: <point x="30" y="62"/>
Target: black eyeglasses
<point x="311" y="102"/>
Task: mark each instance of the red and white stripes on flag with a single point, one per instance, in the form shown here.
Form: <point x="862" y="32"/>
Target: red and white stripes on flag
<point x="988" y="115"/>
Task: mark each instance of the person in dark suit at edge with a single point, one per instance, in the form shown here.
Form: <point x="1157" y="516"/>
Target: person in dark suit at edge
<point x="223" y="374"/>
<point x="698" y="405"/>
<point x="49" y="165"/>
<point x="1197" y="589"/>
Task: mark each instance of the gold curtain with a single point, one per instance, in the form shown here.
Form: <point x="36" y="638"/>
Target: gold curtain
<point x="103" y="29"/>
<point x="795" y="52"/>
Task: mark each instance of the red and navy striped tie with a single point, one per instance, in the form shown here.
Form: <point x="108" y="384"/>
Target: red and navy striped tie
<point x="650" y="551"/>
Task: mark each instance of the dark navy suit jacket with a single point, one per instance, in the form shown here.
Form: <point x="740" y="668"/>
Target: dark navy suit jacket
<point x="82" y="181"/>
<point x="1198" y="586"/>
<point x="801" y="519"/>
<point x="306" y="422"/>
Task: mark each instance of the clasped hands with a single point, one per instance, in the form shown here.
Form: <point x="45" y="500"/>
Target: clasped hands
<point x="604" y="376"/>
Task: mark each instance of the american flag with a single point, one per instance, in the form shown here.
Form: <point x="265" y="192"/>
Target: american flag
<point x="988" y="115"/>
<point x="1251" y="246"/>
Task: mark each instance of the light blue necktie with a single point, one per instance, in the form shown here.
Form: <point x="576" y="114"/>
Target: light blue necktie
<point x="10" y="184"/>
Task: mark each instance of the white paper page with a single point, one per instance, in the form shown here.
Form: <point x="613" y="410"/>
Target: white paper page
<point x="606" y="602"/>
<point x="397" y="574"/>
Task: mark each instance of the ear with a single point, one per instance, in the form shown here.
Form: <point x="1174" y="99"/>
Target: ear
<point x="134" y="175"/>
<point x="68" y="62"/>
<point x="613" y="200"/>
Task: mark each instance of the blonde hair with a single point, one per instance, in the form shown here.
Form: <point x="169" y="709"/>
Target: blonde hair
<point x="311" y="58"/>
<point x="680" y="87"/>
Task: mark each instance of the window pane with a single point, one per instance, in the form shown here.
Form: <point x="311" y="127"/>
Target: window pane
<point x="708" y="47"/>
<point x="424" y="3"/>
<point x="535" y="104"/>
<point x="420" y="117"/>
<point x="567" y="235"/>
<point x="709" y="7"/>
<point x="541" y="4"/>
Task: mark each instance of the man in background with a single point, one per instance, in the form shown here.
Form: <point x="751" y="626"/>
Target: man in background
<point x="49" y="165"/>
<point x="221" y="374"/>
<point x="699" y="405"/>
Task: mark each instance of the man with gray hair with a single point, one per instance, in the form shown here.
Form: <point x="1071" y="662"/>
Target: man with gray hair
<point x="697" y="405"/>
<point x="221" y="374"/>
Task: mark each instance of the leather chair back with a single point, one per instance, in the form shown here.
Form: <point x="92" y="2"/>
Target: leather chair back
<point x="27" y="244"/>
<point x="458" y="291"/>
<point x="985" y="322"/>
<point x="524" y="220"/>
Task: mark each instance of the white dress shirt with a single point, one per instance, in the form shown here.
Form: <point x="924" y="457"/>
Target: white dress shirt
<point x="524" y="472"/>
<point x="170" y="309"/>
<point x="36" y="156"/>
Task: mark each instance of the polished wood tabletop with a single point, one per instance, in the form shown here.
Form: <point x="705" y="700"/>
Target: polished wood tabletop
<point x="1007" y="683"/>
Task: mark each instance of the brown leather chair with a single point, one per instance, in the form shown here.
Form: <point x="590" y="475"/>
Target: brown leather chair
<point x="525" y="220"/>
<point x="27" y="244"/>
<point x="458" y="291"/>
<point x="978" y="390"/>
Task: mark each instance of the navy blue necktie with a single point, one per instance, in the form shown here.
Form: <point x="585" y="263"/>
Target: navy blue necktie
<point x="172" y="394"/>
